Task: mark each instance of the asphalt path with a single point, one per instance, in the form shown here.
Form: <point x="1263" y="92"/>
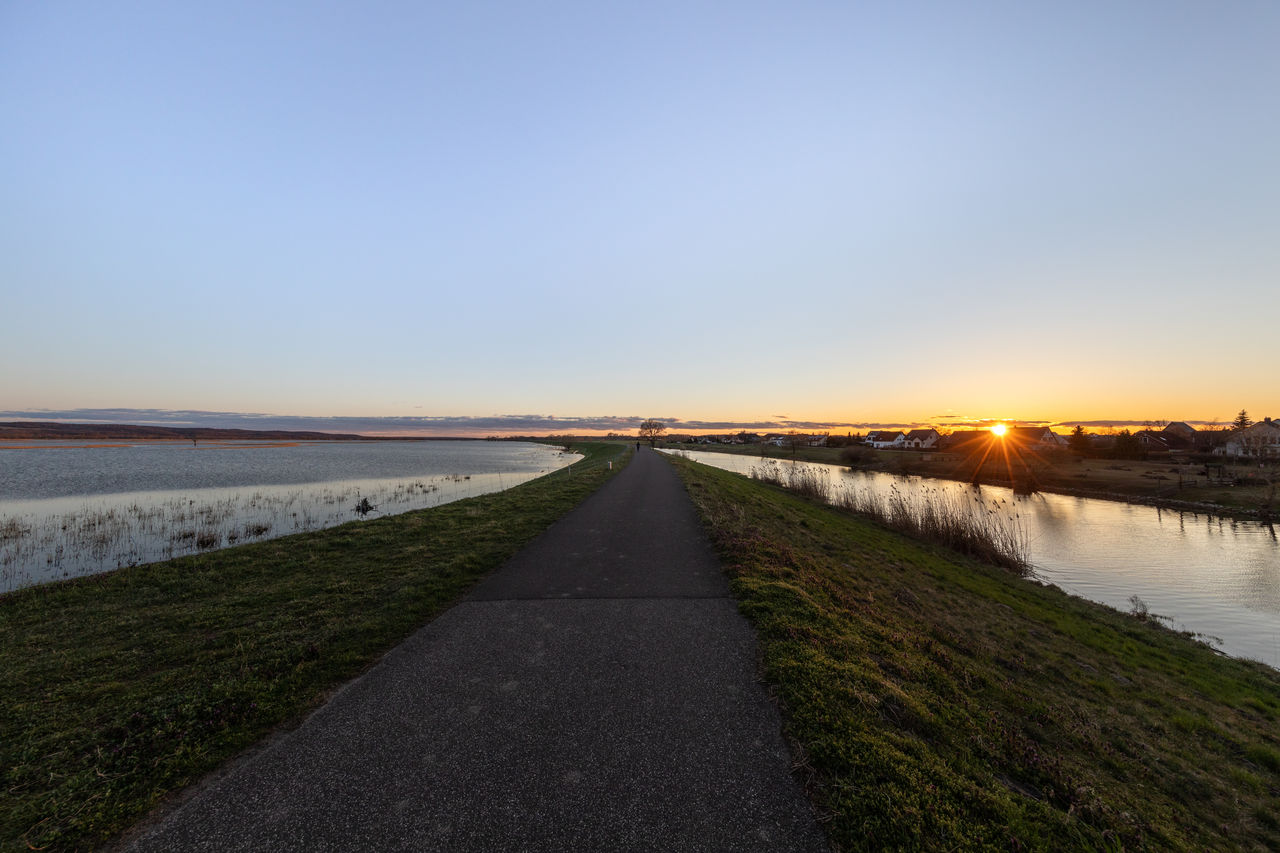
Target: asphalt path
<point x="597" y="692"/>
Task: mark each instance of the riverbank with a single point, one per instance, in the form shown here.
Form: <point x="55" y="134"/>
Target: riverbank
<point x="946" y="704"/>
<point x="118" y="689"/>
<point x="1232" y="491"/>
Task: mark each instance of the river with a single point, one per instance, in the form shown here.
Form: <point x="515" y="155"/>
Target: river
<point x="1216" y="577"/>
<point x="76" y="508"/>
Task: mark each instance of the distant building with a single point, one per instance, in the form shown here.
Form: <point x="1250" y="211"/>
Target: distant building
<point x="1150" y="440"/>
<point x="922" y="439"/>
<point x="964" y="439"/>
<point x="1040" y="438"/>
<point x="1180" y="429"/>
<point x="1035" y="437"/>
<point x="881" y="439"/>
<point x="1261" y="441"/>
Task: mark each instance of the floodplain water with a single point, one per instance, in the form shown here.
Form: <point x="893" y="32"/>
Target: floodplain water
<point x="74" y="508"/>
<point x="1213" y="576"/>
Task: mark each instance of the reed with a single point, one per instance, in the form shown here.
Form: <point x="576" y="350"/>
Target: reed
<point x="103" y="535"/>
<point x="989" y="529"/>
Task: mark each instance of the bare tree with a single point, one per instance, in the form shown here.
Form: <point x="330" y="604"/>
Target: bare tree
<point x="652" y="430"/>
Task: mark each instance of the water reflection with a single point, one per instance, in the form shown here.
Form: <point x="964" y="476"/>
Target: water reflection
<point x="1213" y="576"/>
<point x="45" y="538"/>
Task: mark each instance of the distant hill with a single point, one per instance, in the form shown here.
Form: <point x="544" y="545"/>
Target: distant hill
<point x="94" y="432"/>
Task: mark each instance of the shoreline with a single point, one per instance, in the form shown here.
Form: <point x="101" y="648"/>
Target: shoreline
<point x="1261" y="515"/>
<point x="1195" y="507"/>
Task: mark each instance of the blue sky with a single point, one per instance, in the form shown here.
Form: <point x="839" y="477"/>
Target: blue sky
<point x="720" y="212"/>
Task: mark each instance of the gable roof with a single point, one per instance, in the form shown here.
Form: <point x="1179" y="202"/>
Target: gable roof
<point x="967" y="436"/>
<point x="1263" y="426"/>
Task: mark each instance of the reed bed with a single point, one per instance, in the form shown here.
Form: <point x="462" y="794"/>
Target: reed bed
<point x="989" y="529"/>
<point x="108" y="533"/>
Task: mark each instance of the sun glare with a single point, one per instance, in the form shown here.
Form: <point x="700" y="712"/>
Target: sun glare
<point x="999" y="430"/>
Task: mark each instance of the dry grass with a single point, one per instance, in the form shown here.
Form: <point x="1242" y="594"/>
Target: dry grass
<point x="943" y="704"/>
<point x="971" y="524"/>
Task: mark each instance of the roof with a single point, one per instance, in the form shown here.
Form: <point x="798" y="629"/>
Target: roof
<point x="1180" y="428"/>
<point x="1026" y="433"/>
<point x="922" y="434"/>
<point x="967" y="436"/>
<point x="1260" y="427"/>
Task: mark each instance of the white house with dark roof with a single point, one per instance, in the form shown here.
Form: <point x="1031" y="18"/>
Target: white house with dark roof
<point x="882" y="438"/>
<point x="1262" y="440"/>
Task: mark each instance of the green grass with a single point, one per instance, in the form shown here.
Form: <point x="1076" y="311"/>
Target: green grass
<point x="118" y="689"/>
<point x="945" y="704"/>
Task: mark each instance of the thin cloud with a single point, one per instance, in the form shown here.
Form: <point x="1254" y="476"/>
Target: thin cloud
<point x="1129" y="423"/>
<point x="510" y="424"/>
<point x="423" y="425"/>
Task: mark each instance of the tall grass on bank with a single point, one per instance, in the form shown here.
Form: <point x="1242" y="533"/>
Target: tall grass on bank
<point x="972" y="524"/>
<point x="940" y="703"/>
<point x="119" y="688"/>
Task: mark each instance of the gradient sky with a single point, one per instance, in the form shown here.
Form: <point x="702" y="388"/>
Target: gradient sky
<point x="846" y="212"/>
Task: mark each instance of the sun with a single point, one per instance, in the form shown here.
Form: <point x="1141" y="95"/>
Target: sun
<point x="1000" y="430"/>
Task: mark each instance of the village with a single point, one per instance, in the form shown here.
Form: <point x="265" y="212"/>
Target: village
<point x="1242" y="439"/>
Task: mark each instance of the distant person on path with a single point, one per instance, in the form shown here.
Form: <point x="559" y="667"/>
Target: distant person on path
<point x="637" y="447"/>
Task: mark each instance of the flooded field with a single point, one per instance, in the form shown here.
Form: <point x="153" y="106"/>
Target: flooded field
<point x="70" y="509"/>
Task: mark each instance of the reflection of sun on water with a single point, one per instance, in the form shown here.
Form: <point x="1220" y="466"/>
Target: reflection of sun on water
<point x="999" y="429"/>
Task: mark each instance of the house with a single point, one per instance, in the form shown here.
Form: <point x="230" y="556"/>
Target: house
<point x="923" y="439"/>
<point x="1181" y="429"/>
<point x="973" y="440"/>
<point x="1179" y="436"/>
<point x="1035" y="437"/>
<point x="1262" y="440"/>
<point x="880" y="439"/>
<point x="1149" y="440"/>
<point x="965" y="440"/>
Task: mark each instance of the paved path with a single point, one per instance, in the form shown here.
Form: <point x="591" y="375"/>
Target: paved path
<point x="595" y="693"/>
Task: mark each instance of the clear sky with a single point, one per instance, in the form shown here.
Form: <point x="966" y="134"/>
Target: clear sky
<point x="713" y="212"/>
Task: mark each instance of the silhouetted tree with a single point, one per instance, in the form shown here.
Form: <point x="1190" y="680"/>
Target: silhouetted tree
<point x="652" y="430"/>
<point x="1126" y="446"/>
<point x="1078" y="441"/>
<point x="1242" y="421"/>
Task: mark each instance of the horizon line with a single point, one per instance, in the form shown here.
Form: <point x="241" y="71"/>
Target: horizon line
<point x="467" y="426"/>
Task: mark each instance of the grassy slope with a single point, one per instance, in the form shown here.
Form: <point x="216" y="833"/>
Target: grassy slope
<point x="944" y="704"/>
<point x="119" y="688"/>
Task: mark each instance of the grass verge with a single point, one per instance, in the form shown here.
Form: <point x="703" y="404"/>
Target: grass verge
<point x="117" y="689"/>
<point x="943" y="703"/>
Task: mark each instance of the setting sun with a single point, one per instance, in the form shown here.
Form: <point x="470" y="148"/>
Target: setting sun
<point x="999" y="429"/>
